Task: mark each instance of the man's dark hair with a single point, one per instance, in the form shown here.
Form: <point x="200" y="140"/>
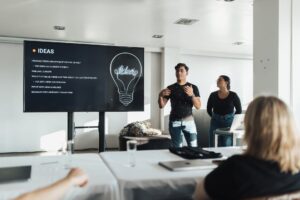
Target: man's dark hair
<point x="226" y="79"/>
<point x="182" y="65"/>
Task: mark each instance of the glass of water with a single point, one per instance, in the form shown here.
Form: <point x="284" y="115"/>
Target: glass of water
<point x="68" y="154"/>
<point x="131" y="149"/>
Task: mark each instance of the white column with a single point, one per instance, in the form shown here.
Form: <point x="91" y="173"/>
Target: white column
<point x="296" y="60"/>
<point x="272" y="48"/>
<point x="170" y="57"/>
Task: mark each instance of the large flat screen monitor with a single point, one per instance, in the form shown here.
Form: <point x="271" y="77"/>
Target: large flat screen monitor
<point x="66" y="77"/>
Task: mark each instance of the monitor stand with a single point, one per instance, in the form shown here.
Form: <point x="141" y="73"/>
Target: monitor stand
<point x="101" y="129"/>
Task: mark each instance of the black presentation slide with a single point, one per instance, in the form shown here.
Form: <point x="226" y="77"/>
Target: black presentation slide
<point x="65" y="77"/>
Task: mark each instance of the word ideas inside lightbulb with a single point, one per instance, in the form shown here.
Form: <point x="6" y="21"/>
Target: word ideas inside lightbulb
<point x="122" y="70"/>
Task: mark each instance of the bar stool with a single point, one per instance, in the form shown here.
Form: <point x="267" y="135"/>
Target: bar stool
<point x="238" y="134"/>
<point x="221" y="131"/>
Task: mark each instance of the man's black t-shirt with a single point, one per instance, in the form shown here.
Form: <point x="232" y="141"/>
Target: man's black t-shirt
<point x="181" y="103"/>
<point x="223" y="106"/>
<point x="243" y="176"/>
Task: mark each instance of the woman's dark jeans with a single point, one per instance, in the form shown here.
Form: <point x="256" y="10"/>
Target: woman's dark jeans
<point x="220" y="121"/>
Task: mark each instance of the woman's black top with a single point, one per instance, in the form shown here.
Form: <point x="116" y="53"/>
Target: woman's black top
<point x="223" y="106"/>
<point x="244" y="176"/>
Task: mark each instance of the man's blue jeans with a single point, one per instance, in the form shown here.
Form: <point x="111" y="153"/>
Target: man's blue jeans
<point x="186" y="128"/>
<point x="220" y="121"/>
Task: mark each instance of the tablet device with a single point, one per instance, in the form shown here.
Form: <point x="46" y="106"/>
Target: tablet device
<point x="17" y="173"/>
<point x="187" y="165"/>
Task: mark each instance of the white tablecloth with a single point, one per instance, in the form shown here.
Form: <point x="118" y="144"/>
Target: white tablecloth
<point x="48" y="169"/>
<point x="148" y="181"/>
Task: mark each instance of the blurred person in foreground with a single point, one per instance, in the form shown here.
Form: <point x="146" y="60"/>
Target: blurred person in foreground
<point x="271" y="163"/>
<point x="75" y="178"/>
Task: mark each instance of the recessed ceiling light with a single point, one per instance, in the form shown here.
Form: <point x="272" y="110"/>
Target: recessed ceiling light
<point x="157" y="36"/>
<point x="228" y="0"/>
<point x="186" y="21"/>
<point x="59" y="28"/>
<point x="238" y="43"/>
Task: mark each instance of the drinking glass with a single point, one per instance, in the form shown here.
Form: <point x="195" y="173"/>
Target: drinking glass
<point x="131" y="149"/>
<point x="68" y="154"/>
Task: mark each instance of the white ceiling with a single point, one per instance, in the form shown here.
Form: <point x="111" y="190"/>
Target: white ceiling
<point x="133" y="22"/>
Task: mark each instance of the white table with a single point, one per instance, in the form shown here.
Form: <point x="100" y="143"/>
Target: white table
<point x="48" y="169"/>
<point x="148" y="180"/>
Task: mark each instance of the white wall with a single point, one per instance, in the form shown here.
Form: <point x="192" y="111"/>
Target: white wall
<point x="23" y="132"/>
<point x="204" y="71"/>
<point x="276" y="51"/>
<point x="272" y="48"/>
<point x="19" y="131"/>
<point x="296" y="61"/>
<point x="155" y="85"/>
<point x="152" y="85"/>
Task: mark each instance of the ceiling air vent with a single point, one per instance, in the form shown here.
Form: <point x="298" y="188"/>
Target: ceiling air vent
<point x="59" y="28"/>
<point x="186" y="21"/>
<point x="238" y="43"/>
<point x="157" y="36"/>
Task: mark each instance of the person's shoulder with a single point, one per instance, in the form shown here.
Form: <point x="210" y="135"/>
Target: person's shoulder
<point x="233" y="93"/>
<point x="172" y="86"/>
<point x="191" y="84"/>
<point x="215" y="93"/>
<point x="233" y="163"/>
<point x="243" y="159"/>
<point x="236" y="159"/>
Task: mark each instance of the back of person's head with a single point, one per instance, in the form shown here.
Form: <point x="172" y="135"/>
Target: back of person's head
<point x="270" y="133"/>
<point x="182" y="65"/>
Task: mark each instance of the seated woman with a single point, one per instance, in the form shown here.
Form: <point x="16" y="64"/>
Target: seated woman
<point x="222" y="105"/>
<point x="271" y="163"/>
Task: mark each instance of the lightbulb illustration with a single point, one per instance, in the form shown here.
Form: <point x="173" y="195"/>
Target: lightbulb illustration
<point x="126" y="71"/>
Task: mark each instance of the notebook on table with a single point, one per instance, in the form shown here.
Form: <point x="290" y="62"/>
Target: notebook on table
<point x="187" y="165"/>
<point x="13" y="174"/>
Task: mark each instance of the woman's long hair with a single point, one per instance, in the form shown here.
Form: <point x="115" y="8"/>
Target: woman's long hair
<point x="270" y="133"/>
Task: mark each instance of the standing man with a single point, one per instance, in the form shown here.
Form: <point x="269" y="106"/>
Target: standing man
<point x="184" y="96"/>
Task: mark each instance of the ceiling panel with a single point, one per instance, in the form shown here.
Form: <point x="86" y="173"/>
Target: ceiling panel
<point x="133" y="22"/>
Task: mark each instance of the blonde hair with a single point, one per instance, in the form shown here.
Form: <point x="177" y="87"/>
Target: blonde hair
<point x="270" y="133"/>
